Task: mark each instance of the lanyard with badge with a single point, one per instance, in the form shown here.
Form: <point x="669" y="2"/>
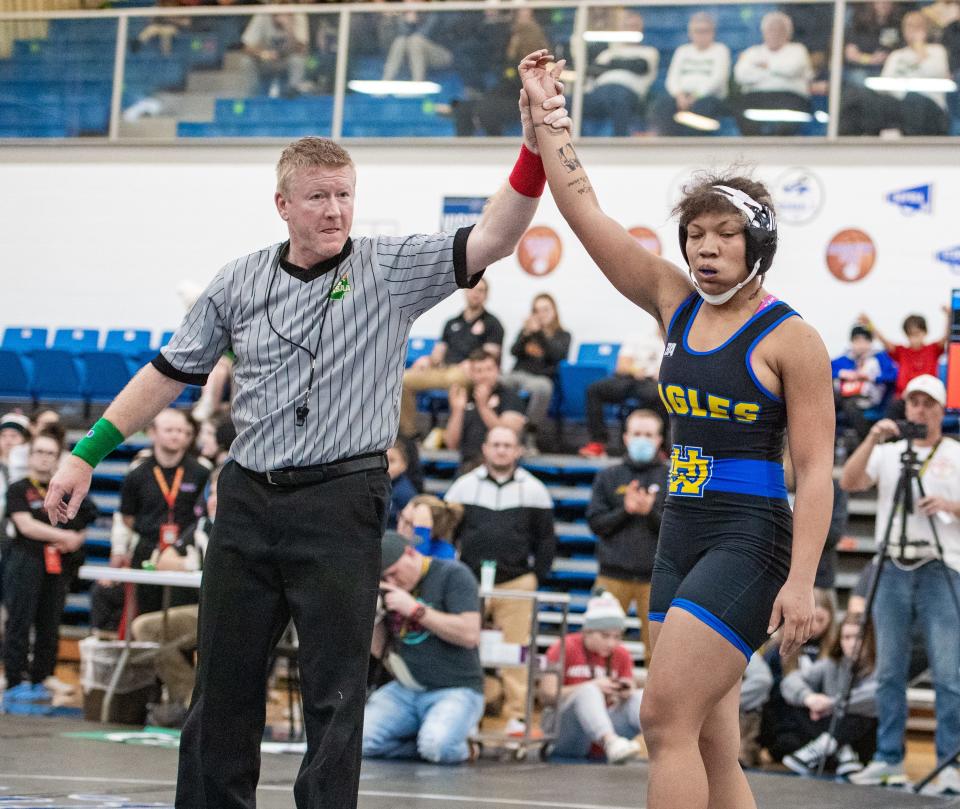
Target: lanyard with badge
<point x="169" y="531"/>
<point x="52" y="561"/>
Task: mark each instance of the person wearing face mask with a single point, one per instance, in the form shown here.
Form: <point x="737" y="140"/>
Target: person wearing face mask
<point x="740" y="373"/>
<point x="624" y="512"/>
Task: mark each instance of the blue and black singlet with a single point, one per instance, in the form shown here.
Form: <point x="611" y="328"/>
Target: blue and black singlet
<point x="726" y="534"/>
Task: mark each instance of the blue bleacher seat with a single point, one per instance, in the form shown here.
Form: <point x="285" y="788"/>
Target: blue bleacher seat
<point x="57" y="375"/>
<point x="14" y="375"/>
<point x="602" y="354"/>
<point x="419" y="347"/>
<point x="24" y="338"/>
<point x="573" y="381"/>
<point x="106" y="373"/>
<point x="76" y="340"/>
<point x="127" y="341"/>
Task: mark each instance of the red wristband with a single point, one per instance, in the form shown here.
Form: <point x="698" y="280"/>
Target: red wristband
<point x="528" y="177"/>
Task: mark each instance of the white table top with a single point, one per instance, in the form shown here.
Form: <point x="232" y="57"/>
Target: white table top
<point x="174" y="578"/>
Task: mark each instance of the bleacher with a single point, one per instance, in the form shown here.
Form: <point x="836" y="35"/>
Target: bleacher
<point x="81" y="367"/>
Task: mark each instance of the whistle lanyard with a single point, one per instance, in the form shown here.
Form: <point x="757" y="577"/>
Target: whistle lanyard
<point x="169" y="492"/>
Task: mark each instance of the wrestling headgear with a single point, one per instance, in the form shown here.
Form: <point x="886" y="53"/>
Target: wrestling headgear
<point x="760" y="233"/>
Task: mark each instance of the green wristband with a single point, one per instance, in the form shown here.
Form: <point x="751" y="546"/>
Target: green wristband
<point x="97" y="444"/>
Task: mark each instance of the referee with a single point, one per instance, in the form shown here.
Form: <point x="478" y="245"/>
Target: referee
<point x="319" y="327"/>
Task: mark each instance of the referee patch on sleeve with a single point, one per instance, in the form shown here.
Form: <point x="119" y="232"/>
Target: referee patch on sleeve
<point x="164" y="367"/>
<point x="460" y="260"/>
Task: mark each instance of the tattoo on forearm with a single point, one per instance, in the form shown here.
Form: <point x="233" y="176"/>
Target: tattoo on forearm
<point x="568" y="156"/>
<point x="581" y="184"/>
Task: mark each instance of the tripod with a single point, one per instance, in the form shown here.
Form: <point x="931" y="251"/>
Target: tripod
<point x="904" y="499"/>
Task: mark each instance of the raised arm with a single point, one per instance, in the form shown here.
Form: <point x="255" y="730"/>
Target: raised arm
<point x="509" y="212"/>
<point x="649" y="281"/>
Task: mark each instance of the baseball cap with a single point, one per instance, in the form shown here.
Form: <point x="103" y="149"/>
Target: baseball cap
<point x="930" y="385"/>
<point x="14" y="421"/>
<point x="392" y="547"/>
<point x="604" y="614"/>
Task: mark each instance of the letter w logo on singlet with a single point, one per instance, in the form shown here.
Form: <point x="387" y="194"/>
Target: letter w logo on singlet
<point x="690" y="471"/>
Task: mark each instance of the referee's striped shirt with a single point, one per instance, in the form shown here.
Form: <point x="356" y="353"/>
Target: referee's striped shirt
<point x="373" y="291"/>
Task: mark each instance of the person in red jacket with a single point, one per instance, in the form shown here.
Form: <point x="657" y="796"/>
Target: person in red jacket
<point x="598" y="707"/>
<point x="916" y="358"/>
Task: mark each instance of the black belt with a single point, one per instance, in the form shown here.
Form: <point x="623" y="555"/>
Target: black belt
<point x="320" y="473"/>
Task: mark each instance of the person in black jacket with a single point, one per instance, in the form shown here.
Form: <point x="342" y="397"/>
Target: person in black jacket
<point x="624" y="512"/>
<point x="539" y="348"/>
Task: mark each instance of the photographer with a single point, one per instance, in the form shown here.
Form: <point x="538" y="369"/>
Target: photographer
<point x="915" y="580"/>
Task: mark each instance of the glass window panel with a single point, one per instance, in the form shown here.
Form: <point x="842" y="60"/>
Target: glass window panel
<point x="901" y="67"/>
<point x="262" y="75"/>
<point x="452" y="73"/>
<point x="56" y="77"/>
<point x="728" y="70"/>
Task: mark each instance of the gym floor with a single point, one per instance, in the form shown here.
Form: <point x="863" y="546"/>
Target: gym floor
<point x="41" y="768"/>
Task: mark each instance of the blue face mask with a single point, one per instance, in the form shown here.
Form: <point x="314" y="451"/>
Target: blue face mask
<point x="641" y="450"/>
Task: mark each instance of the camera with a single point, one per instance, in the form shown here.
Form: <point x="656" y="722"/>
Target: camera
<point x="911" y="430"/>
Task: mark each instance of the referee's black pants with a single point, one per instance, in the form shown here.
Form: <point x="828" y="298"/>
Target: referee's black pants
<point x="313" y="553"/>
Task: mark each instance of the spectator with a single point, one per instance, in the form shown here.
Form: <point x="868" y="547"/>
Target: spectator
<point x="497" y="108"/>
<point x="624" y="512"/>
<point x="409" y="34"/>
<point x="41" y="560"/>
<point x="916" y="582"/>
<point x="14" y="433"/>
<point x="431" y="523"/>
<point x="859" y="385"/>
<point x="635" y="378"/>
<point x="773" y="77"/>
<point x="481" y="39"/>
<point x="157" y="502"/>
<point x="619" y="80"/>
<point x="696" y="81"/>
<point x="873" y="33"/>
<point x="754" y="693"/>
<point x="278" y="44"/>
<point x="507" y="519"/>
<point x="916" y="358"/>
<point x="777" y="721"/>
<point x="176" y="630"/>
<point x="473" y="328"/>
<point x="488" y="403"/>
<point x="163" y="29"/>
<point x="921" y="113"/>
<point x="812" y="696"/>
<point x="214" y="438"/>
<point x="427" y="633"/>
<point x="403" y="489"/>
<point x="597" y="709"/>
<point x="906" y="110"/>
<point x="539" y="348"/>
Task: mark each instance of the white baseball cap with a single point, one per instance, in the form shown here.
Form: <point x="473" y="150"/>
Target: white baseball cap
<point x="929" y="385"/>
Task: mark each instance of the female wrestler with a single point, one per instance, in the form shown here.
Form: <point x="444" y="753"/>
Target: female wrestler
<point x="739" y="371"/>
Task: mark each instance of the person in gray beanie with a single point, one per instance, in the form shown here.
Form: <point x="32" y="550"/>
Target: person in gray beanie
<point x="597" y="710"/>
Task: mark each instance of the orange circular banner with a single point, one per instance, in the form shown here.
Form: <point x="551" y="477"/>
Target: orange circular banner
<point x="539" y="250"/>
<point x="851" y="255"/>
<point x="647" y="239"/>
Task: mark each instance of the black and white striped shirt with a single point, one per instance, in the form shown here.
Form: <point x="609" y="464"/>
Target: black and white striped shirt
<point x="372" y="292"/>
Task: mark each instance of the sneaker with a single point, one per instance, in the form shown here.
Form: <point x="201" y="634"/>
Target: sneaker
<point x="57" y="686"/>
<point x="40" y="693"/>
<point x="946" y="783"/>
<point x="880" y="772"/>
<point x="593" y="450"/>
<point x="806" y="760"/>
<point x="17" y="695"/>
<point x="848" y="762"/>
<point x="620" y="750"/>
<point x="515" y="727"/>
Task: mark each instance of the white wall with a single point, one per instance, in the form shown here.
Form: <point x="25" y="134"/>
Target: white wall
<point x="101" y="236"/>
